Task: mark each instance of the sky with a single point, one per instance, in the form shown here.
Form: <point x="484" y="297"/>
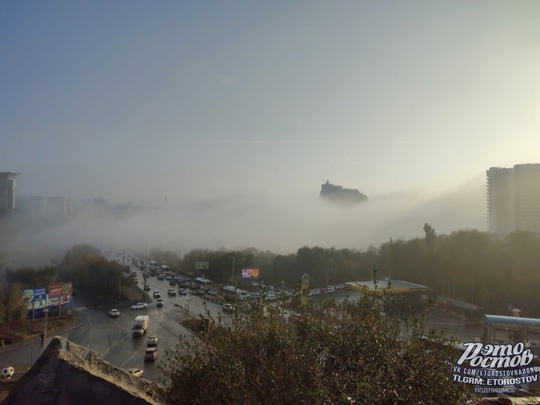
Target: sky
<point x="236" y="112"/>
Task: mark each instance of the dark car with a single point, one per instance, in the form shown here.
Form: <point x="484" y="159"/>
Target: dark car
<point x="172" y="282"/>
<point x="150" y="354"/>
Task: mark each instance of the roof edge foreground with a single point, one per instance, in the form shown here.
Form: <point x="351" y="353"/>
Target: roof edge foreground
<point x="61" y="353"/>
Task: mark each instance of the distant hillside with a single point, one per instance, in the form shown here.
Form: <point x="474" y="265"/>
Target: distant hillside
<point x="333" y="193"/>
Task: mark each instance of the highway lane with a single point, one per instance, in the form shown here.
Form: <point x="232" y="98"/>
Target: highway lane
<point x="111" y="337"/>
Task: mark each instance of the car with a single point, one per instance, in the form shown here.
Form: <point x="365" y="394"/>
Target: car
<point x="139" y="305"/>
<point x="159" y="302"/>
<point x="152" y="341"/>
<point x="213" y="292"/>
<point x="330" y="289"/>
<point x="200" y="292"/>
<point x="150" y="354"/>
<point x="172" y="282"/>
<point x="182" y="291"/>
<point x="255" y="295"/>
<point x="228" y="307"/>
<point x="147" y="287"/>
<point x="137" y="372"/>
<point x="157" y="294"/>
<point x="160" y="277"/>
<point x="171" y="292"/>
<point x="114" y="313"/>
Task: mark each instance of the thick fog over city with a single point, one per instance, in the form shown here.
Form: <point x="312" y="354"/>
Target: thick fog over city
<point x="218" y="122"/>
<point x="273" y="221"/>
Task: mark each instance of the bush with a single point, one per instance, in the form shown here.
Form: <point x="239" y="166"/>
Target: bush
<point x="336" y="354"/>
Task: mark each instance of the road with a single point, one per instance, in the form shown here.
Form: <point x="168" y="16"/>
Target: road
<point x="111" y="337"/>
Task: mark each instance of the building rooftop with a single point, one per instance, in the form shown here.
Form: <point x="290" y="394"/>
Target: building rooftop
<point x="387" y="286"/>
<point x="67" y="373"/>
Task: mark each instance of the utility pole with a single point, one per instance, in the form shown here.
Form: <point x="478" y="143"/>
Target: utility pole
<point x="44" y="340"/>
<point x="233" y="279"/>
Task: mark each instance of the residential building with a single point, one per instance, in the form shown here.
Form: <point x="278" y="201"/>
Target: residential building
<point x="331" y="192"/>
<point x="7" y="203"/>
<point x="513" y="199"/>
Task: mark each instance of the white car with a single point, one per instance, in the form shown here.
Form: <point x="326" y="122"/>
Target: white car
<point x="114" y="313"/>
<point x="137" y="372"/>
<point x="139" y="305"/>
<point x="152" y="341"/>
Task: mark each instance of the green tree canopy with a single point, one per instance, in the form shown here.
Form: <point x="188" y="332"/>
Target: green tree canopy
<point x="338" y="354"/>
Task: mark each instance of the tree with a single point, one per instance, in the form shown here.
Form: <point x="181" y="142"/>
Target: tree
<point x="336" y="354"/>
<point x="14" y="308"/>
<point x="104" y="279"/>
<point x="74" y="266"/>
<point x="30" y="277"/>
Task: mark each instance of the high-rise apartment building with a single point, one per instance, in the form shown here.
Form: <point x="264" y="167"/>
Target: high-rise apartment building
<point x="7" y="202"/>
<point x="527" y="189"/>
<point x="513" y="198"/>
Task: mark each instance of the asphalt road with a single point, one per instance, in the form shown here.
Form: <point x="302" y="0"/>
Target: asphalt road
<point x="111" y="337"/>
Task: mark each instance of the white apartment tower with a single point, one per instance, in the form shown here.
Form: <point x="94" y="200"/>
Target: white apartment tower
<point x="513" y="199"/>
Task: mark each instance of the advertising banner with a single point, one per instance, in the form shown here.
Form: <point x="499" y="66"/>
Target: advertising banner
<point x="55" y="290"/>
<point x="202" y="266"/>
<point x="34" y="295"/>
<point x="250" y="273"/>
<point x="60" y="290"/>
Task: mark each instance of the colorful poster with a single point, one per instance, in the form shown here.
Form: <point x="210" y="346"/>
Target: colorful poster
<point x="250" y="273"/>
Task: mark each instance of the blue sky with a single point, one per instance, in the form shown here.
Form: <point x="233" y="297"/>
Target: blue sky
<point x="203" y="101"/>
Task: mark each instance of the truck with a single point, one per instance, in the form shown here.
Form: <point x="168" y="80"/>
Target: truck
<point x="140" y="326"/>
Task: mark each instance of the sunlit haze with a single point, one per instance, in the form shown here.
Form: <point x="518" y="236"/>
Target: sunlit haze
<point x="223" y="119"/>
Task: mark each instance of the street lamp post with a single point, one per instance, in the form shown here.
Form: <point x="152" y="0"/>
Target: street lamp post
<point x="179" y="258"/>
<point x="46" y="311"/>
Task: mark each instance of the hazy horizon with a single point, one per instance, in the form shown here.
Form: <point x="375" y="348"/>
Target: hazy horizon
<point x="237" y="112"/>
<point x="236" y="222"/>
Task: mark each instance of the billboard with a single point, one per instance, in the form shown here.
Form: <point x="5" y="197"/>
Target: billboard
<point x="62" y="290"/>
<point x="250" y="273"/>
<point x="202" y="266"/>
<point x="34" y="294"/>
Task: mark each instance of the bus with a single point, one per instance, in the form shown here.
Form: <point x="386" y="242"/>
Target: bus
<point x="203" y="282"/>
<point x="165" y="268"/>
<point x="231" y="293"/>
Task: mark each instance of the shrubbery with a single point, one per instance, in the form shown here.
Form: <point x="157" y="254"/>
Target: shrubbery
<point x="339" y="353"/>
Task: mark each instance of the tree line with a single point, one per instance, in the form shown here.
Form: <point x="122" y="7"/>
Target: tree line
<point x="478" y="267"/>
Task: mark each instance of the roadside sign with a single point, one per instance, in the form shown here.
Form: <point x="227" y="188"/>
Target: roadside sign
<point x="305" y="281"/>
